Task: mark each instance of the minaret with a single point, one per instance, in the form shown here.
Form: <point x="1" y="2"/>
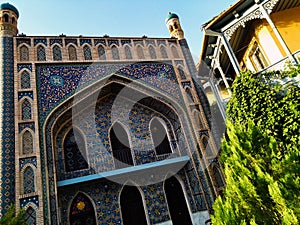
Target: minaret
<point x="8" y="28"/>
<point x="173" y="24"/>
<point x="8" y="20"/>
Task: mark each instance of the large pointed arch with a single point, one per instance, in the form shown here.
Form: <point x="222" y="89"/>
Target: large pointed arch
<point x="82" y="211"/>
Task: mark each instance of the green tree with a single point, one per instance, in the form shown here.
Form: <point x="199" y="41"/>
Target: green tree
<point x="261" y="151"/>
<point x="10" y="217"/>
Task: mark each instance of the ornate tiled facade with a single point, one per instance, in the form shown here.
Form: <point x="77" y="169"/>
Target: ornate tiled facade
<point x="66" y="95"/>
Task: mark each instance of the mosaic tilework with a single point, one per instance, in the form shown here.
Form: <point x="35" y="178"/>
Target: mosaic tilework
<point x="56" y="41"/>
<point x="24" y="66"/>
<point x="71" y="41"/>
<point x="56" y="83"/>
<point x="85" y="41"/>
<point x="28" y="180"/>
<point x="99" y="41"/>
<point x="7" y="176"/>
<point x="30" y="125"/>
<point x="113" y="42"/>
<point x="99" y="149"/>
<point x="156" y="203"/>
<point x="105" y="195"/>
<point x="23" y="41"/>
<point x="50" y="161"/>
<point x="40" y="41"/>
<point x="22" y="94"/>
<point x="31" y="160"/>
<point x="25" y="80"/>
<point x="33" y="199"/>
<point x="124" y="42"/>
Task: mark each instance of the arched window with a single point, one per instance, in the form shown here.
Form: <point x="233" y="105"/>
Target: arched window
<point x="41" y="54"/>
<point x="128" y="54"/>
<point x="87" y="52"/>
<point x="24" y="53"/>
<point x="101" y="52"/>
<point x="152" y="52"/>
<point x="74" y="151"/>
<point x="140" y="52"/>
<point x="115" y="52"/>
<point x="82" y="211"/>
<point x="163" y="52"/>
<point x="175" y="26"/>
<point x="13" y="20"/>
<point x="27" y="143"/>
<point x="26" y="110"/>
<point x="181" y="73"/>
<point x="174" y="52"/>
<point x="132" y="207"/>
<point x="189" y="95"/>
<point x="57" y="56"/>
<point x="6" y="18"/>
<point x="218" y="177"/>
<point x="25" y="80"/>
<point x="28" y="180"/>
<point x="178" y="206"/>
<point x="30" y="216"/>
<point x="72" y="53"/>
<point x="207" y="146"/>
<point x="120" y="146"/>
<point x="197" y="120"/>
<point x="160" y="137"/>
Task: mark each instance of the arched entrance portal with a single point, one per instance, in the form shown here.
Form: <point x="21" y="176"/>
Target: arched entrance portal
<point x="176" y="202"/>
<point x="82" y="211"/>
<point x="132" y="207"/>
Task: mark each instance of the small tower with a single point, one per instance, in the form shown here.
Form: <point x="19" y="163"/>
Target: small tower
<point x="8" y="28"/>
<point x="8" y="20"/>
<point x="173" y="24"/>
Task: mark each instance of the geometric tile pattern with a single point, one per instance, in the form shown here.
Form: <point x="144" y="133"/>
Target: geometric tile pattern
<point x="25" y="201"/>
<point x="40" y="41"/>
<point x="98" y="122"/>
<point x="22" y="126"/>
<point x="31" y="161"/>
<point x="23" y="66"/>
<point x="25" y="80"/>
<point x="25" y="94"/>
<point x="58" y="82"/>
<point x="30" y="215"/>
<point x="7" y="142"/>
<point x="28" y="180"/>
<point x="105" y="196"/>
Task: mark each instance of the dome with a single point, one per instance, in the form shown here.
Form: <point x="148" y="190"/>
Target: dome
<point x="10" y="7"/>
<point x="171" y="16"/>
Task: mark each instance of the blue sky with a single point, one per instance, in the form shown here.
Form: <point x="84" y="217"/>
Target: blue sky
<point x="117" y="18"/>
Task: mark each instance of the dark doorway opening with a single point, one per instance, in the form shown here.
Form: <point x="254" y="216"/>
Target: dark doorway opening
<point x="176" y="201"/>
<point x="120" y="146"/>
<point x="132" y="208"/>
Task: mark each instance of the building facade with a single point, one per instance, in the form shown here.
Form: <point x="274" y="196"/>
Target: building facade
<point x="104" y="130"/>
<point x="255" y="35"/>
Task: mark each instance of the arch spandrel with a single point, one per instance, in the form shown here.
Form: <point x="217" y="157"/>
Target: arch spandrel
<point x="65" y="81"/>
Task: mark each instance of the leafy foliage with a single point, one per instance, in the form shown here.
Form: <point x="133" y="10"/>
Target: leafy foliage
<point x="261" y="151"/>
<point x="10" y="217"/>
